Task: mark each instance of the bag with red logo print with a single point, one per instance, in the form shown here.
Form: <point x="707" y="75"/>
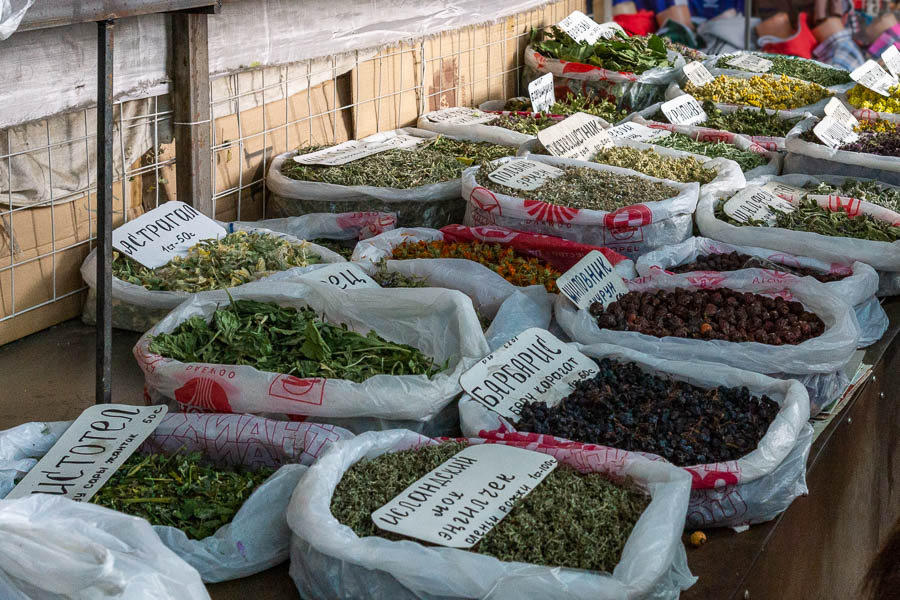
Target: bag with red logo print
<point x="630" y="91"/>
<point x="817" y="363"/>
<point x="257" y="538"/>
<point x="699" y="132"/>
<point x="630" y="231"/>
<point x="487" y="289"/>
<point x="351" y="227"/>
<point x="883" y="256"/>
<point x="136" y="308"/>
<point x="858" y="286"/>
<point x="430" y="205"/>
<point x="328" y="560"/>
<point x="753" y="489"/>
<point x="439" y="322"/>
<point x="812" y="158"/>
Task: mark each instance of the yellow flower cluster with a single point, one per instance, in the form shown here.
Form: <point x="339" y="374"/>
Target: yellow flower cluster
<point x="763" y="91"/>
<point x="877" y="126"/>
<point x="862" y="97"/>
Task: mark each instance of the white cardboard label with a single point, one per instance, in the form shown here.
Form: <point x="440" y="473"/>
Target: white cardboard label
<point x="750" y="62"/>
<point x="636" y="132"/>
<point x="90" y="451"/>
<point x="460" y="116"/>
<point x="871" y="75"/>
<point x="355" y="150"/>
<point x="346" y="276"/>
<point x="579" y="136"/>
<point x="697" y="74"/>
<point x="592" y="279"/>
<point x="167" y="231"/>
<point x="684" y="110"/>
<point x="541" y="92"/>
<point x="756" y="204"/>
<point x="836" y="109"/>
<point x="834" y="133"/>
<point x="524" y="174"/>
<point x="534" y="366"/>
<point x="582" y="28"/>
<point x="787" y="192"/>
<point x="891" y="59"/>
<point x="459" y="502"/>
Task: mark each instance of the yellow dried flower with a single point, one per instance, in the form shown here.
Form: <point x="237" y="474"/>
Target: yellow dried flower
<point x="763" y="91"/>
<point x="862" y="97"/>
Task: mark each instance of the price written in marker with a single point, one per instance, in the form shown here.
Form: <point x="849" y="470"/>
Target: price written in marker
<point x="541" y="92"/>
<point x="636" y="132"/>
<point x="355" y="150"/>
<point x="684" y="110"/>
<point x="891" y="59"/>
<point x="345" y="276"/>
<point x="534" y="366"/>
<point x="592" y="279"/>
<point x="583" y="29"/>
<point x="580" y="136"/>
<point x="833" y="132"/>
<point x="697" y="74"/>
<point x="90" y="451"/>
<point x="756" y="204"/>
<point x="460" y="501"/>
<point x="167" y="231"/>
<point x="750" y="62"/>
<point x="522" y="174"/>
<point x="787" y="192"/>
<point x="871" y="75"/>
<point x="460" y="116"/>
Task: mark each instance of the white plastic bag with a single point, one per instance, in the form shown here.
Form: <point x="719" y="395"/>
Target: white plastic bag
<point x="257" y="537"/>
<point x="432" y="205"/>
<point x="716" y="71"/>
<point x="817" y="362"/>
<point x="487" y="289"/>
<point x="857" y="288"/>
<point x="342" y="226"/>
<point x="817" y="108"/>
<point x="439" y="322"/>
<point x="631" y="91"/>
<point x="476" y="132"/>
<point x="812" y="158"/>
<point x="53" y="548"/>
<point x="329" y="561"/>
<point x="722" y="494"/>
<point x="883" y="256"/>
<point x="699" y="132"/>
<point x="136" y="308"/>
<point x="630" y="230"/>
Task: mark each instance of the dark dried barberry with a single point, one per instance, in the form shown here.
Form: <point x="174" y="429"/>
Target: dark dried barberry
<point x="732" y="261"/>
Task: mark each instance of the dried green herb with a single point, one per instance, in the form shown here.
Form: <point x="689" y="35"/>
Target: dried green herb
<point x="569" y="520"/>
<point x="434" y="161"/>
<point x="342" y="247"/>
<point x="179" y="490"/>
<point x="747" y="121"/>
<point x="392" y="279"/>
<point x="283" y="339"/>
<point x="619" y="53"/>
<point x="690" y="54"/>
<point x="528" y="124"/>
<point x="583" y="187"/>
<point x="650" y="162"/>
<point x="869" y="191"/>
<point x="592" y="105"/>
<point x="746" y="159"/>
<point x="809" y="216"/>
<point x="235" y="259"/>
<point x="798" y="68"/>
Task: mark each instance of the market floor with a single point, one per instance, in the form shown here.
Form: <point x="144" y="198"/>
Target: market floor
<point x="49" y="376"/>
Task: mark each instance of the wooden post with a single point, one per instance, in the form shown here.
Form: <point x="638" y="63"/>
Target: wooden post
<point x="193" y="162"/>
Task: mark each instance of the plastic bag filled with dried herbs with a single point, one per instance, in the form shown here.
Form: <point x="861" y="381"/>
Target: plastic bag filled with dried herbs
<point x="876" y="155"/>
<point x="57" y="549"/>
<point x="142" y="296"/>
<point x="620" y="209"/>
<point x="564" y="107"/>
<point x="288" y="350"/>
<point x="767" y="476"/>
<point x="226" y="516"/>
<point x="819" y="235"/>
<point x="756" y="90"/>
<point x="331" y="560"/>
<point x="419" y="184"/>
<point x="506" y="128"/>
<point x="632" y="73"/>
<point x="834" y="79"/>
<point x="766" y="128"/>
<point x="817" y="362"/>
<point x="337" y="232"/>
<point x="697" y="258"/>
<point x="485" y="263"/>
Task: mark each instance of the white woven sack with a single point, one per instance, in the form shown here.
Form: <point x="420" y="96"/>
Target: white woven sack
<point x="630" y="231"/>
<point x="329" y="561"/>
<point x="439" y="322"/>
<point x="257" y="538"/>
<point x="753" y="489"/>
<point x="857" y="288"/>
